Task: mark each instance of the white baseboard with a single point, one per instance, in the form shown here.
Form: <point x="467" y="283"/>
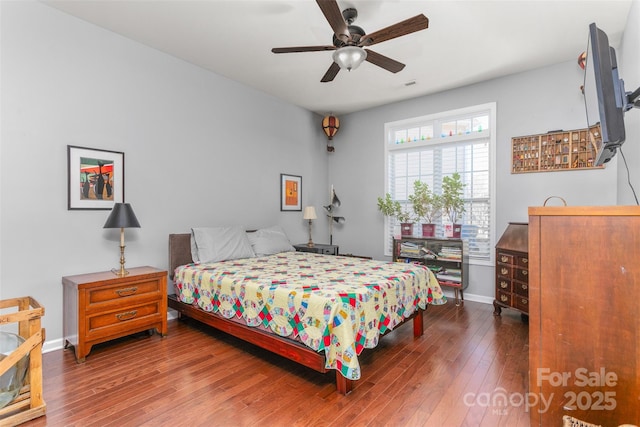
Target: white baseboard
<point x="469" y="297"/>
<point x="59" y="343"/>
<point x="52" y="345"/>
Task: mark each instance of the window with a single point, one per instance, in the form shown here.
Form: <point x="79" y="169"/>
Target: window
<point x="431" y="147"/>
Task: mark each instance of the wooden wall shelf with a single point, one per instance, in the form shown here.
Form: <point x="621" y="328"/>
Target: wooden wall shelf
<point x="555" y="151"/>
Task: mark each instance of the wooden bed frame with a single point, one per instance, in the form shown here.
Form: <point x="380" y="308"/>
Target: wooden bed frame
<point x="180" y="254"/>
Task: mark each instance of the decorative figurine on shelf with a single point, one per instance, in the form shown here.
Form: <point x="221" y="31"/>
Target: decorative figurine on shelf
<point x="334" y="202"/>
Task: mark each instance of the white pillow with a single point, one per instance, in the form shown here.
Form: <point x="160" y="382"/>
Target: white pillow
<point x="214" y="244"/>
<point x="268" y="241"/>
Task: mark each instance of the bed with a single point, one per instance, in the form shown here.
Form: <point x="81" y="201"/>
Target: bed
<point x="318" y="310"/>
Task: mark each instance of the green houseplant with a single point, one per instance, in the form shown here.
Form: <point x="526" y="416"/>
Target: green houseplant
<point x="393" y="208"/>
<point x="452" y="202"/>
<point x="427" y="206"/>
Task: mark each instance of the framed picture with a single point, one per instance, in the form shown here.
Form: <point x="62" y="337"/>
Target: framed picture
<point x="290" y="192"/>
<point x="95" y="178"/>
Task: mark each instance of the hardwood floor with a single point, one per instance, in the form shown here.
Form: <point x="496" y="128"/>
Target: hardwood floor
<point x="198" y="376"/>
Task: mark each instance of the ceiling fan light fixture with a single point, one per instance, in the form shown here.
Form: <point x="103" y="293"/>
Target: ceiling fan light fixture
<point x="349" y="57"/>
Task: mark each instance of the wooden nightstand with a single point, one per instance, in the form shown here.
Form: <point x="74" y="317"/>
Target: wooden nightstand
<point x="317" y="248"/>
<point x="101" y="306"/>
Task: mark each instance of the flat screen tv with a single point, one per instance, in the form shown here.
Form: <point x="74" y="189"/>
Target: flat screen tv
<point x="605" y="98"/>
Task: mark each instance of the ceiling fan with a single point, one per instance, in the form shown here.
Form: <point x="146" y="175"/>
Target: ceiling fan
<point x="349" y="41"/>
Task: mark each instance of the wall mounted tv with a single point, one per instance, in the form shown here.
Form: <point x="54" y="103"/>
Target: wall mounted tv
<point x="604" y="96"/>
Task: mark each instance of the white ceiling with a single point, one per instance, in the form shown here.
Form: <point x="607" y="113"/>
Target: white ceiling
<point x="466" y="42"/>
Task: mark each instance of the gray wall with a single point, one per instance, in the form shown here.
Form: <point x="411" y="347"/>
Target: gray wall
<point x="200" y="150"/>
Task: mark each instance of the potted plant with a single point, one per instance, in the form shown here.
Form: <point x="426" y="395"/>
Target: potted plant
<point x="393" y="208"/>
<point x="427" y="206"/>
<point x="452" y="203"/>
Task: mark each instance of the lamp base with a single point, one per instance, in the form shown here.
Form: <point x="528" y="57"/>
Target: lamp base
<point x="121" y="272"/>
<point x="310" y="243"/>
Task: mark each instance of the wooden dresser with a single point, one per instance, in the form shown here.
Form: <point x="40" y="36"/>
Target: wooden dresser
<point x="584" y="314"/>
<point x="512" y="269"/>
<point x="101" y="306"/>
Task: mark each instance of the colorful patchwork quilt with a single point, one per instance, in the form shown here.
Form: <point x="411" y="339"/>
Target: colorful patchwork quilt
<point x="339" y="305"/>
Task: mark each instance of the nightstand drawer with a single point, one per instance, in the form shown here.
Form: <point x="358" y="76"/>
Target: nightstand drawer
<point x="124" y="315"/>
<point x="123" y="292"/>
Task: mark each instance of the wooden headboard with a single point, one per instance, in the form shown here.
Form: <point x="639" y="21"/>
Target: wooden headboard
<point x="179" y="251"/>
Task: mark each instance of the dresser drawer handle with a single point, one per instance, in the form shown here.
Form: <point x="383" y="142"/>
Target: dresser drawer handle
<point x="125" y="292"/>
<point x="504" y="271"/>
<point x="525" y="272"/>
<point x="504" y="298"/>
<point x="504" y="285"/>
<point x="524" y="287"/>
<point x="127" y="315"/>
<point x="525" y="261"/>
<point x="505" y="258"/>
<point x="524" y="301"/>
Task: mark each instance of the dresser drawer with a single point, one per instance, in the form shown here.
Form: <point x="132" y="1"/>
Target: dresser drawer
<point x="123" y="293"/>
<point x="521" y="274"/>
<point x="503" y="297"/>
<point x="521" y="288"/>
<point x="124" y="317"/>
<point x="504" y="270"/>
<point x="522" y="261"/>
<point x="503" y="284"/>
<point x="505" y="258"/>
<point x="521" y="303"/>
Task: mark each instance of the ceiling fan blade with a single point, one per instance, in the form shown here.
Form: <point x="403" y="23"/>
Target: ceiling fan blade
<point x="332" y="12"/>
<point x="302" y="49"/>
<point x="384" y="61"/>
<point x="408" y="26"/>
<point x="331" y="73"/>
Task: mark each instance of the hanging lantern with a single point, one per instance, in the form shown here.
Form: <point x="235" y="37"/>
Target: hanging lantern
<point x="330" y="125"/>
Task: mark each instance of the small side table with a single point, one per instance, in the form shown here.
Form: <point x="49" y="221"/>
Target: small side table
<point x="99" y="307"/>
<point x="317" y="248"/>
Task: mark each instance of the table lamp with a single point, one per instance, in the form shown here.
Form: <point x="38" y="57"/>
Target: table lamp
<point x="121" y="217"/>
<point x="310" y="214"/>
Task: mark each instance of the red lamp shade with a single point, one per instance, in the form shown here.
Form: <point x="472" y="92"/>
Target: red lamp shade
<point x="330" y="125"/>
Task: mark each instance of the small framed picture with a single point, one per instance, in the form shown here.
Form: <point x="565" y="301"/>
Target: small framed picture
<point x="95" y="178"/>
<point x="290" y="192"/>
